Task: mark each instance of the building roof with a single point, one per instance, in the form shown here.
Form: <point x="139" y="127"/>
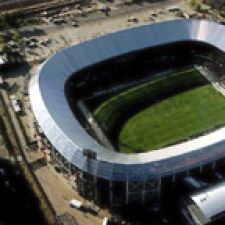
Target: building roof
<point x="54" y="115"/>
<point x="211" y="201"/>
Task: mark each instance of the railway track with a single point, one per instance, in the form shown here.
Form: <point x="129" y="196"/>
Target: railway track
<point x="28" y="7"/>
<point x="17" y="150"/>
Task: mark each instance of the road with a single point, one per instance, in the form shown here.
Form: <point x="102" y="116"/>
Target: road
<point x="99" y="16"/>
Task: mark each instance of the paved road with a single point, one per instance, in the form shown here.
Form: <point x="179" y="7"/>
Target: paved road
<point x="124" y="9"/>
<point x="98" y="16"/>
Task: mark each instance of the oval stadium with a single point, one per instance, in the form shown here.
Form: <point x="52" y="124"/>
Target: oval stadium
<point x="129" y="111"/>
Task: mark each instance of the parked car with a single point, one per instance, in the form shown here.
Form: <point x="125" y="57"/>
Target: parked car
<point x="45" y="42"/>
<point x="75" y="23"/>
<point x="75" y="204"/>
<point x="132" y="19"/>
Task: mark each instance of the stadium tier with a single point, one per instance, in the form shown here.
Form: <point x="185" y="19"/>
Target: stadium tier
<point x="138" y="177"/>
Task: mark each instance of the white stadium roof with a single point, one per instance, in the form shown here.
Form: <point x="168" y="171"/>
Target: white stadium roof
<point x="54" y="115"/>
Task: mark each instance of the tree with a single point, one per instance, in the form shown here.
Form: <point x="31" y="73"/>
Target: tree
<point x="16" y="36"/>
<point x="5" y="48"/>
<point x="192" y="3"/>
<point x="2" y="40"/>
<point x="198" y="7"/>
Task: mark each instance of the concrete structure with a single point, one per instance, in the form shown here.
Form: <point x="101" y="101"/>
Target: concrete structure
<point x="137" y="176"/>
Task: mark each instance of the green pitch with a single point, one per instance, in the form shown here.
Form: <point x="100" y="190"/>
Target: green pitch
<point x="179" y="106"/>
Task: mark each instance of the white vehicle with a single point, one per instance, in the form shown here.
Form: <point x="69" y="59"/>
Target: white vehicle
<point x="44" y="13"/>
<point x="105" y="8"/>
<point x="32" y="44"/>
<point x="13" y="44"/>
<point x="75" y="204"/>
<point x="58" y="21"/>
<point x="12" y="97"/>
<point x="75" y="24"/>
<point x="132" y="19"/>
<point x="15" y="104"/>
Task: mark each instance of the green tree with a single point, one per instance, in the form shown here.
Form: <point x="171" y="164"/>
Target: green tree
<point x="198" y="7"/>
<point x="16" y="36"/>
<point x="192" y="3"/>
<point x="2" y="40"/>
<point x="5" y="48"/>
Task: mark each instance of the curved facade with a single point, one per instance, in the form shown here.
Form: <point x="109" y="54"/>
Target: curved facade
<point x="54" y="115"/>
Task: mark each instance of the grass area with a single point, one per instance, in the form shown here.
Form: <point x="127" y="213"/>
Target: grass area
<point x="176" y="107"/>
<point x="113" y="109"/>
<point x="174" y="119"/>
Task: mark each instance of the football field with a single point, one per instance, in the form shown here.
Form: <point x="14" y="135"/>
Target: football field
<point x="179" y="106"/>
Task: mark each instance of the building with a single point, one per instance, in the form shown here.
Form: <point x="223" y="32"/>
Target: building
<point x="103" y="173"/>
<point x="206" y="206"/>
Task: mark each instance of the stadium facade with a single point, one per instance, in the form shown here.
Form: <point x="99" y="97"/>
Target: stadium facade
<point x="104" y="173"/>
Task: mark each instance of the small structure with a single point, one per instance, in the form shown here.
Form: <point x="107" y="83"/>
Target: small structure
<point x="15" y="104"/>
<point x="206" y="206"/>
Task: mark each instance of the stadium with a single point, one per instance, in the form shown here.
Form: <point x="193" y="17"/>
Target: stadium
<point x="132" y="110"/>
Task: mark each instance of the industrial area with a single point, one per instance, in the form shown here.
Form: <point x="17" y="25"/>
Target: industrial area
<point x="54" y="57"/>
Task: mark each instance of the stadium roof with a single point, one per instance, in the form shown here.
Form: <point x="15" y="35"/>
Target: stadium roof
<point x="53" y="113"/>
